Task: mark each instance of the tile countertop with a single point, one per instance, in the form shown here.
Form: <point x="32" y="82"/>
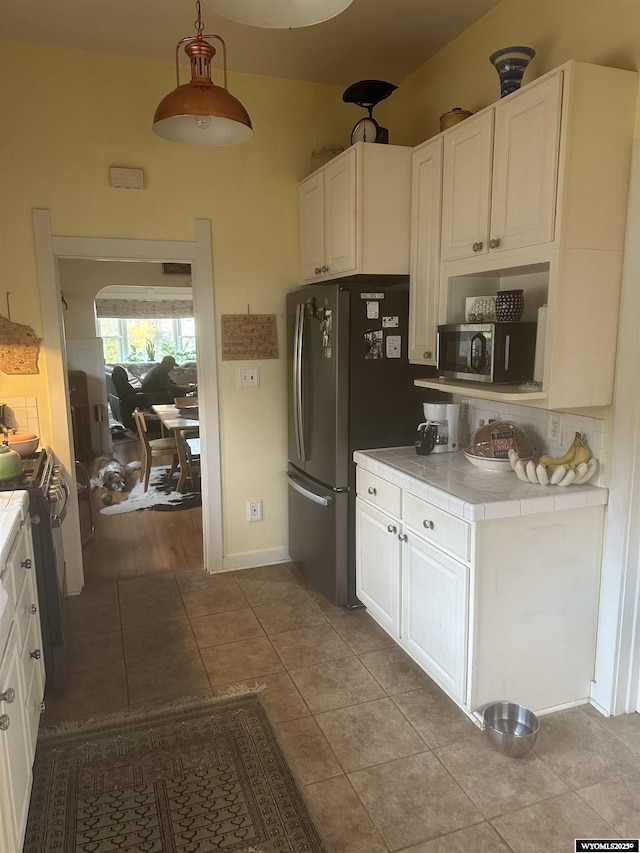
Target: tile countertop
<point x="13" y="510"/>
<point x="449" y="481"/>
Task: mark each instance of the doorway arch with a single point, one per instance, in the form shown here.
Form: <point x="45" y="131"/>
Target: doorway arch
<point x="51" y="247"/>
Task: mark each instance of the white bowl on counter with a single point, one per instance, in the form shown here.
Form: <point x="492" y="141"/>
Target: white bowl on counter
<point x="25" y="444"/>
<point x="487" y="463"/>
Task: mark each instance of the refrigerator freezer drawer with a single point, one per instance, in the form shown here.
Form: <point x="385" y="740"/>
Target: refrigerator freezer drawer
<point x="318" y="535"/>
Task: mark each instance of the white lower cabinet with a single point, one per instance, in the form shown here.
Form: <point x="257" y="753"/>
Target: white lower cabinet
<point x="435" y="595"/>
<point x="416" y="592"/>
<point x="378" y="565"/>
<point x="495" y="609"/>
<point x="21" y="685"/>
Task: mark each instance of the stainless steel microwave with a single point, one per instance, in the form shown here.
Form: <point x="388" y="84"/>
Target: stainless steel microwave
<point x="487" y="352"/>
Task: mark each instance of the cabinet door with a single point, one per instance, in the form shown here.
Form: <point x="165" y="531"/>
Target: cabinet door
<point x="378" y="565"/>
<point x="467" y="187"/>
<point x="15" y="754"/>
<point x="340" y="214"/>
<point x="435" y="614"/>
<point x="525" y="167"/>
<point x="311" y="212"/>
<point x="425" y="252"/>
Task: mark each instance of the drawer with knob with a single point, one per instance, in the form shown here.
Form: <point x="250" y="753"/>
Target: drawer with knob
<point x="378" y="492"/>
<point x="437" y="526"/>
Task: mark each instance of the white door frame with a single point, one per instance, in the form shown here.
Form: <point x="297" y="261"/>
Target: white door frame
<point x="49" y="248"/>
<point x="616" y="688"/>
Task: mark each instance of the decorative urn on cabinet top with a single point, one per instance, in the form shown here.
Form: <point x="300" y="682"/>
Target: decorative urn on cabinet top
<point x="511" y="63"/>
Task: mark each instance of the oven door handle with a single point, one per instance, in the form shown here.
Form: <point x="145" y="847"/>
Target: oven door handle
<point x="59" y="517"/>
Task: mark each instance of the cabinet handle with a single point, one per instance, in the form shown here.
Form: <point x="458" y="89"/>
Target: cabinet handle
<point x="402" y="537"/>
<point x="8" y="696"/>
<point x="5" y="722"/>
<point x="41" y="707"/>
<point x="36" y="654"/>
<point x="325" y="269"/>
<point x="477" y="247"/>
<point x="33" y="610"/>
<point x="392" y="528"/>
<point x="26" y="564"/>
<point x="371" y="491"/>
<point x="426" y="353"/>
<point x="494" y="242"/>
<point x="428" y="525"/>
<point x="317" y="270"/>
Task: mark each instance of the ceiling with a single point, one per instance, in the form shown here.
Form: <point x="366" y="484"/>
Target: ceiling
<point x="372" y="39"/>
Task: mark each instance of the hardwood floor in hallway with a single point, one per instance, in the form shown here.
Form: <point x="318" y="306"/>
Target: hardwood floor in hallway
<point x="138" y="543"/>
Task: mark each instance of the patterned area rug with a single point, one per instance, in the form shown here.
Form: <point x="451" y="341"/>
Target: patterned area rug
<point x="187" y="779"/>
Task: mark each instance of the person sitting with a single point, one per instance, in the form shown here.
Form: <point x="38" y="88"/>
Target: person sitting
<point x="158" y="380"/>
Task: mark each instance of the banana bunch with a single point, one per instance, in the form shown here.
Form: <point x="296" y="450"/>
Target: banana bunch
<point x="576" y="466"/>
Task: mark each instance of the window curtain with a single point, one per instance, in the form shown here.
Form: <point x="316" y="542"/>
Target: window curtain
<point x="144" y="309"/>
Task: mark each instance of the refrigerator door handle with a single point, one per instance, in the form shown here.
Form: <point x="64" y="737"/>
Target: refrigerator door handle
<point x="297" y="382"/>
<point x="319" y="499"/>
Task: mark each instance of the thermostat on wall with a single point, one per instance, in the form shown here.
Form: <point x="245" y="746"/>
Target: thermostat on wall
<point x="127" y="179"/>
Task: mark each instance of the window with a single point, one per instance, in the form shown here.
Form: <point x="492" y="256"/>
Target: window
<point x="139" y="339"/>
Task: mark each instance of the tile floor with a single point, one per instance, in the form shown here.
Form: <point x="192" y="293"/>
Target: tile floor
<point x="390" y="763"/>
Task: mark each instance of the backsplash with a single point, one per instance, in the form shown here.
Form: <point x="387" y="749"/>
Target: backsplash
<point x="21" y="413"/>
<point x="535" y="423"/>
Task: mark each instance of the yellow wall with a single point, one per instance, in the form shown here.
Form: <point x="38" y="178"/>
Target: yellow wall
<point x="94" y="111"/>
<point x="605" y="32"/>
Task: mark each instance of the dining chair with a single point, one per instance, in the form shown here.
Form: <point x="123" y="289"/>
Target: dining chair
<point x="154" y="448"/>
<point x="188" y="445"/>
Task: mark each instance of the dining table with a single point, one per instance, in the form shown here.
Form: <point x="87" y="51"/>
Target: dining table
<point x="174" y="423"/>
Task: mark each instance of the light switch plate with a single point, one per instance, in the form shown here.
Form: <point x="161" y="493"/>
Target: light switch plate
<point x="249" y="377"/>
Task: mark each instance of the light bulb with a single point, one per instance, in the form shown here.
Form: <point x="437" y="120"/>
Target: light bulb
<point x="202" y="122"/>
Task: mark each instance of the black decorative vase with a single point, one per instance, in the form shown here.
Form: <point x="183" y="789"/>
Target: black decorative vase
<point x="511" y="63"/>
<point x="509" y="306"/>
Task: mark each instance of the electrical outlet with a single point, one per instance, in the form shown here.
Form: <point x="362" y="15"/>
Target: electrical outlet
<point x="249" y="377"/>
<point x="554" y="427"/>
<point x="255" y="510"/>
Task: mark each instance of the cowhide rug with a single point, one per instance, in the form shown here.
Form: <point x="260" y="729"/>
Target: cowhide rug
<point x="161" y="495"/>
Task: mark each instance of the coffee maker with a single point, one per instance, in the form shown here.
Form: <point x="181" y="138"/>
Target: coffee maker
<point x="439" y="433"/>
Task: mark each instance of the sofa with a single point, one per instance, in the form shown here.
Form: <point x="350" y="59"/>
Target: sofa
<point x="182" y="374"/>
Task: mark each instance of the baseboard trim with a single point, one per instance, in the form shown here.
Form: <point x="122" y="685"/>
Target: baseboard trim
<point x="253" y="559"/>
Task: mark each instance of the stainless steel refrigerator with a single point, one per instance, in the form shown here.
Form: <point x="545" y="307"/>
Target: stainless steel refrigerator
<point x="350" y="388"/>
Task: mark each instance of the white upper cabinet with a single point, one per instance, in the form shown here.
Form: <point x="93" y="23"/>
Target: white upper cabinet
<point x="311" y="215"/>
<point x="355" y="214"/>
<point x="500" y="175"/>
<point x="426" y="197"/>
<point x="534" y="197"/>
<point x="525" y="167"/>
<point x="466" y="195"/>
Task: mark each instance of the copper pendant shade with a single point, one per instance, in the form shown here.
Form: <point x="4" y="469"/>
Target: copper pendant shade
<point x="199" y="112"/>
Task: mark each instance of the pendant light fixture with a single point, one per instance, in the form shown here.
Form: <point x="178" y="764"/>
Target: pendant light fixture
<point x="280" y="14"/>
<point x="199" y="112"/>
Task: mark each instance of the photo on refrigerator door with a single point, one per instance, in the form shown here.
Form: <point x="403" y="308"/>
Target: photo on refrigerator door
<point x="373" y="340"/>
